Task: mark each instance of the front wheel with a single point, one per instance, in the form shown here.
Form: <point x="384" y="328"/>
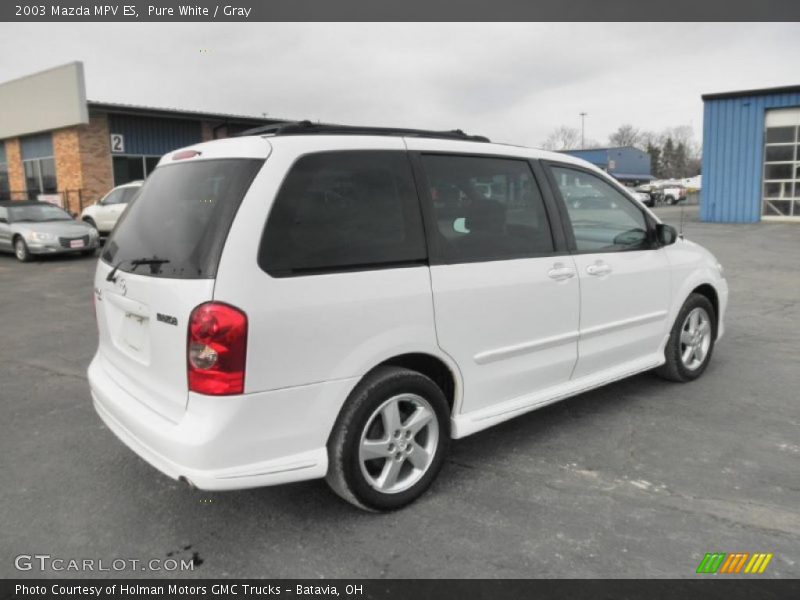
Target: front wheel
<point x="390" y="440"/>
<point x="691" y="341"/>
<point x="21" y="250"/>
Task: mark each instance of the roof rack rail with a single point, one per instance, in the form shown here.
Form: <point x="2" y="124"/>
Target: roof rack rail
<point x="309" y="128"/>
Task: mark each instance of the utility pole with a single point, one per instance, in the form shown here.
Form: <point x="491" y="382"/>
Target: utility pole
<point x="583" y="130"/>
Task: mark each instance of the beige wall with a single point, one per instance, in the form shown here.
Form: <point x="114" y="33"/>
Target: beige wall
<point x="44" y="101"/>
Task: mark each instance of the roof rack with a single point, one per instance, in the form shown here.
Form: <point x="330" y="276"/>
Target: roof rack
<point x="309" y="128"/>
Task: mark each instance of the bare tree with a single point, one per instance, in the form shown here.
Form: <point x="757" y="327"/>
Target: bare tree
<point x="626" y="135"/>
<point x="563" y="138"/>
<point x="684" y="134"/>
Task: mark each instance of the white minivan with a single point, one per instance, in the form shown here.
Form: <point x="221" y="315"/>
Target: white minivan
<point x="315" y="301"/>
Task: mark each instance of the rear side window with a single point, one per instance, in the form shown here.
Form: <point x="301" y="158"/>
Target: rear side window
<point x="115" y="197"/>
<point x="486" y="209"/>
<point x="129" y="194"/>
<point x="346" y="210"/>
<point x="182" y="215"/>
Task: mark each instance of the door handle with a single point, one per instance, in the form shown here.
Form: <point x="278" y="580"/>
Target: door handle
<point x="560" y="273"/>
<point x="598" y="269"/>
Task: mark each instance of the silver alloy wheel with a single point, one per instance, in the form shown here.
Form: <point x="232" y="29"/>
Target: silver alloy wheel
<point x="19" y="249"/>
<point x="398" y="443"/>
<point x="695" y="338"/>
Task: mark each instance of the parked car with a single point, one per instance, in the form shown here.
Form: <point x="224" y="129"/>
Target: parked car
<point x="314" y="301"/>
<point x="29" y="228"/>
<point x="672" y="193"/>
<point x="103" y="215"/>
<point x="642" y="197"/>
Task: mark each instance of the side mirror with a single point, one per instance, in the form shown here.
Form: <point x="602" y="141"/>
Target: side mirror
<point x="666" y="234"/>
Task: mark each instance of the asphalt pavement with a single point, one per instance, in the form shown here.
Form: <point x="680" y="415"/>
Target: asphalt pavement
<point x="638" y="479"/>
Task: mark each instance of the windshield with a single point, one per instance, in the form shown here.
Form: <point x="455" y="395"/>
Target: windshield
<point x="181" y="217"/>
<point x="37" y="213"/>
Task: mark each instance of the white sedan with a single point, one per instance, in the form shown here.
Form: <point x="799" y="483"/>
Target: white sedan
<point x="104" y="214"/>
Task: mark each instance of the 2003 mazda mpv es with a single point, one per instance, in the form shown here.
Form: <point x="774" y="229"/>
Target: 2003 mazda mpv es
<point x="317" y="301"/>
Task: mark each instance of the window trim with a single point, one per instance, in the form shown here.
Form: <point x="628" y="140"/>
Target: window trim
<point x="353" y="268"/>
<point x="426" y="202"/>
<point x="652" y="241"/>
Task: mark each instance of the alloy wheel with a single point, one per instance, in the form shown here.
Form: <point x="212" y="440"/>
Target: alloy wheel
<point x="398" y="443"/>
<point x="695" y="338"/>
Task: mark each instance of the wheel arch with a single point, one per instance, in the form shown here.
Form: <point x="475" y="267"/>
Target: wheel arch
<point x="709" y="292"/>
<point x="434" y="367"/>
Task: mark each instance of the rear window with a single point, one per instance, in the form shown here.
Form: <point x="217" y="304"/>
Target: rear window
<point x="182" y="215"/>
<point x="347" y="210"/>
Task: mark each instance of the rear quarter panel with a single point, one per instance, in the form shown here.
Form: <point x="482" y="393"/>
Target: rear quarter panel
<point x="315" y="328"/>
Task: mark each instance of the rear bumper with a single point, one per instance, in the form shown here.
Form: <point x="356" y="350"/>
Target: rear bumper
<point x="229" y="442"/>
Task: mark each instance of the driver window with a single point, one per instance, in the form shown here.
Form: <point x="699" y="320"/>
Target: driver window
<point x="602" y="218"/>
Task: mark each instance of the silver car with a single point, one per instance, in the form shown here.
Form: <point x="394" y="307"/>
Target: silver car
<point x="28" y="228"/>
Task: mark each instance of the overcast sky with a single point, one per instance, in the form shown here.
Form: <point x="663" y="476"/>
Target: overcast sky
<point x="511" y="82"/>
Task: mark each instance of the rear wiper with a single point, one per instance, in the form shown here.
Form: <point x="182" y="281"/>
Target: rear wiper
<point x="135" y="263"/>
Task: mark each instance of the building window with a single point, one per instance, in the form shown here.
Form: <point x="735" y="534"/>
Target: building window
<point x="5" y="190"/>
<point x="40" y="176"/>
<point x="39" y="165"/>
<point x="781" y="189"/>
<point x="133" y="168"/>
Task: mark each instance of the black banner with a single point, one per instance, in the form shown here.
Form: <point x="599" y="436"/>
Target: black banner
<point x="315" y="589"/>
<point x="394" y="10"/>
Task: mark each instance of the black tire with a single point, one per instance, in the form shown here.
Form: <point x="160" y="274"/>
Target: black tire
<point x="675" y="369"/>
<point x="21" y="250"/>
<point x="357" y="418"/>
<point x="669" y="200"/>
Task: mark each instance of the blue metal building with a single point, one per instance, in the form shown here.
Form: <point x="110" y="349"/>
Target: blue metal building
<point x="626" y="163"/>
<point x="751" y="156"/>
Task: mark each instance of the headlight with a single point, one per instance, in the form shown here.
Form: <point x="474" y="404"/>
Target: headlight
<point x="38" y="236"/>
<point x="93" y="232"/>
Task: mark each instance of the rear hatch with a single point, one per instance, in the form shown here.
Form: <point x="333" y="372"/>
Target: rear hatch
<point x="158" y="265"/>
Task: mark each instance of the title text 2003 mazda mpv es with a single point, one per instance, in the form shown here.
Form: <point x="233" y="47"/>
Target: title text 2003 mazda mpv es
<point x="316" y="301"/>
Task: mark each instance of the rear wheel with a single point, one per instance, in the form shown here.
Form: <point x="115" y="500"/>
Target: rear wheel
<point x="691" y="341"/>
<point x="21" y="250"/>
<point x="390" y="440"/>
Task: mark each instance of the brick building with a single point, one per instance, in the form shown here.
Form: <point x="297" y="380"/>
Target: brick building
<point x="57" y="146"/>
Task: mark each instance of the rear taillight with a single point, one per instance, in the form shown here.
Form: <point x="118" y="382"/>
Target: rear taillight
<point x="217" y="349"/>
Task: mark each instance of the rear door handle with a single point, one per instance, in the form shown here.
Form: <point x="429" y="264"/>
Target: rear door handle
<point x="598" y="269"/>
<point x="560" y="273"/>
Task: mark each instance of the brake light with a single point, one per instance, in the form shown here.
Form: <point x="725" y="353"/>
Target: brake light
<point x="217" y="348"/>
<point x="184" y="154"/>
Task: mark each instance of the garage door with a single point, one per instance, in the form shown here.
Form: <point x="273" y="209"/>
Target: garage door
<point x="781" y="191"/>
